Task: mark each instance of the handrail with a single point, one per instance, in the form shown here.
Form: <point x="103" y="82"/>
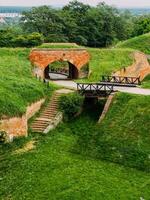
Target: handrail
<point x="95" y="88"/>
<point x="121" y="79"/>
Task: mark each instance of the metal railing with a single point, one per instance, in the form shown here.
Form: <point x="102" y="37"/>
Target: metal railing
<point x="94" y="89"/>
<point x="121" y="80"/>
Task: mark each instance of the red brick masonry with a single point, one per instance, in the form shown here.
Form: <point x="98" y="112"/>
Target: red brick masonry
<point x="41" y="58"/>
<point x="17" y="126"/>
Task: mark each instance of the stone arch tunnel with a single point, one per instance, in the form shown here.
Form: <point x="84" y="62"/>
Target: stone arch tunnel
<point x="78" y="60"/>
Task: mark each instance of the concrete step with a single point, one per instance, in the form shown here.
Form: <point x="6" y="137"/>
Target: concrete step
<point x="47" y="115"/>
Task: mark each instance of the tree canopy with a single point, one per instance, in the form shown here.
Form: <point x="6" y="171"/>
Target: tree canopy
<point x="98" y="26"/>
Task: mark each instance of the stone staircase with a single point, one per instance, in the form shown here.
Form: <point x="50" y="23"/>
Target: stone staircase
<point x="49" y="116"/>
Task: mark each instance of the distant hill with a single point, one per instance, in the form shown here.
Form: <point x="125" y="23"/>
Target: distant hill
<point x="13" y="9"/>
<point x="137" y="11"/>
<point x="141" y="43"/>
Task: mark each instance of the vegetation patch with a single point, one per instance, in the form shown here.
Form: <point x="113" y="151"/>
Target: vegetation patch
<point x="58" y="45"/>
<point x="54" y="170"/>
<point x="146" y="82"/>
<point x="27" y="147"/>
<point x="141" y="43"/>
<point x="107" y="61"/>
<point x="70" y="104"/>
<point x="123" y="136"/>
<point x="18" y="88"/>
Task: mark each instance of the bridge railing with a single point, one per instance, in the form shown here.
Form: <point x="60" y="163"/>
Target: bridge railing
<point x="94" y="89"/>
<point x="121" y="80"/>
<point x="59" y="71"/>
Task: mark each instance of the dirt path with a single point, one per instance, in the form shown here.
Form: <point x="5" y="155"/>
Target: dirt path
<point x="140" y="67"/>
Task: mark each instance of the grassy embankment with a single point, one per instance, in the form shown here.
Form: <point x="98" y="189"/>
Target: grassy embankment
<point x="141" y="43"/>
<point x="18" y="88"/>
<point x="77" y="159"/>
<point x="106" y="61"/>
<point x="58" y="46"/>
<point x="66" y="164"/>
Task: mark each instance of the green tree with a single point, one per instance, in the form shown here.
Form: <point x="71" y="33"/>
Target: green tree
<point x="44" y="20"/>
<point x="142" y="25"/>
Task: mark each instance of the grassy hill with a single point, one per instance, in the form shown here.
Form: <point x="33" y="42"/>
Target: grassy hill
<point x="18" y="88"/>
<point x="66" y="163"/>
<point x="106" y="61"/>
<point x="123" y="136"/>
<point x="58" y="45"/>
<point x="79" y="159"/>
<point x="141" y="43"/>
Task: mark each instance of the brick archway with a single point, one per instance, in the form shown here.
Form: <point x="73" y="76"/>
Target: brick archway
<point x="77" y="59"/>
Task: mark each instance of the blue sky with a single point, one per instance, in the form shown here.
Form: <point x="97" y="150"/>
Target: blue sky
<point x="119" y="3"/>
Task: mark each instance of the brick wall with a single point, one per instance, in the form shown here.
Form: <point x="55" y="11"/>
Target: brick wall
<point x="41" y="58"/>
<point x="17" y="126"/>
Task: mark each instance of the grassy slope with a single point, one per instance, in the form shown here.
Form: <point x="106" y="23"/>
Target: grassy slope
<point x="141" y="43"/>
<point x="17" y="86"/>
<point x="55" y="171"/>
<point x="106" y="61"/>
<point x="55" y="46"/>
<point x="123" y="136"/>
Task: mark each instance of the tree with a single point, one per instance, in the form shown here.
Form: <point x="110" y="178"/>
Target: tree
<point x="44" y="20"/>
<point x="74" y="15"/>
<point x="142" y="25"/>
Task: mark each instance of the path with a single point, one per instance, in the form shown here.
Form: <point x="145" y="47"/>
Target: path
<point x="132" y="90"/>
<point x="57" y="76"/>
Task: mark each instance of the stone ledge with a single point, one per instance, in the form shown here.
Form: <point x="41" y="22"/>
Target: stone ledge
<point x="17" y="126"/>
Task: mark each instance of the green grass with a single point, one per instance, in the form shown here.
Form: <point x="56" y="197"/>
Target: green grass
<point x="123" y="136"/>
<point x="146" y="82"/>
<point x="59" y="46"/>
<point x="106" y="61"/>
<point x="141" y="43"/>
<point x="55" y="171"/>
<point x="18" y="88"/>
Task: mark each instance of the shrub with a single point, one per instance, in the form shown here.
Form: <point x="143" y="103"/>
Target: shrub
<point x="56" y="38"/>
<point x="70" y="104"/>
<point x="10" y="39"/>
<point x="6" y="38"/>
<point x="2" y="136"/>
<point x="30" y="40"/>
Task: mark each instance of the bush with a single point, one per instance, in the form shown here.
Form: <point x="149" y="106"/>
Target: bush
<point x="8" y="38"/>
<point x="30" y="40"/>
<point x="52" y="38"/>
<point x="70" y="104"/>
<point x="2" y="136"/>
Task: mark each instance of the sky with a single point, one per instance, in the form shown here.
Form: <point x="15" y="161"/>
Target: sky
<point x="118" y="3"/>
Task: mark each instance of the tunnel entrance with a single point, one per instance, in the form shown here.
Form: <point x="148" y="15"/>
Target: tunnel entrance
<point x="61" y="70"/>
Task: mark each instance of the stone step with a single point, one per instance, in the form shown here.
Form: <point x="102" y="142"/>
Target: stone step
<point x="49" y="112"/>
<point x="47" y="115"/>
<point x="38" y="130"/>
<point x="39" y="125"/>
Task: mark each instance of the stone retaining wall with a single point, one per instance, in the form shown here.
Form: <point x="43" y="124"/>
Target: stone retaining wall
<point x="17" y="126"/>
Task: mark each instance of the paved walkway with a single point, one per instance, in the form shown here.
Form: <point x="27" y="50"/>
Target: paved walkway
<point x="132" y="90"/>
